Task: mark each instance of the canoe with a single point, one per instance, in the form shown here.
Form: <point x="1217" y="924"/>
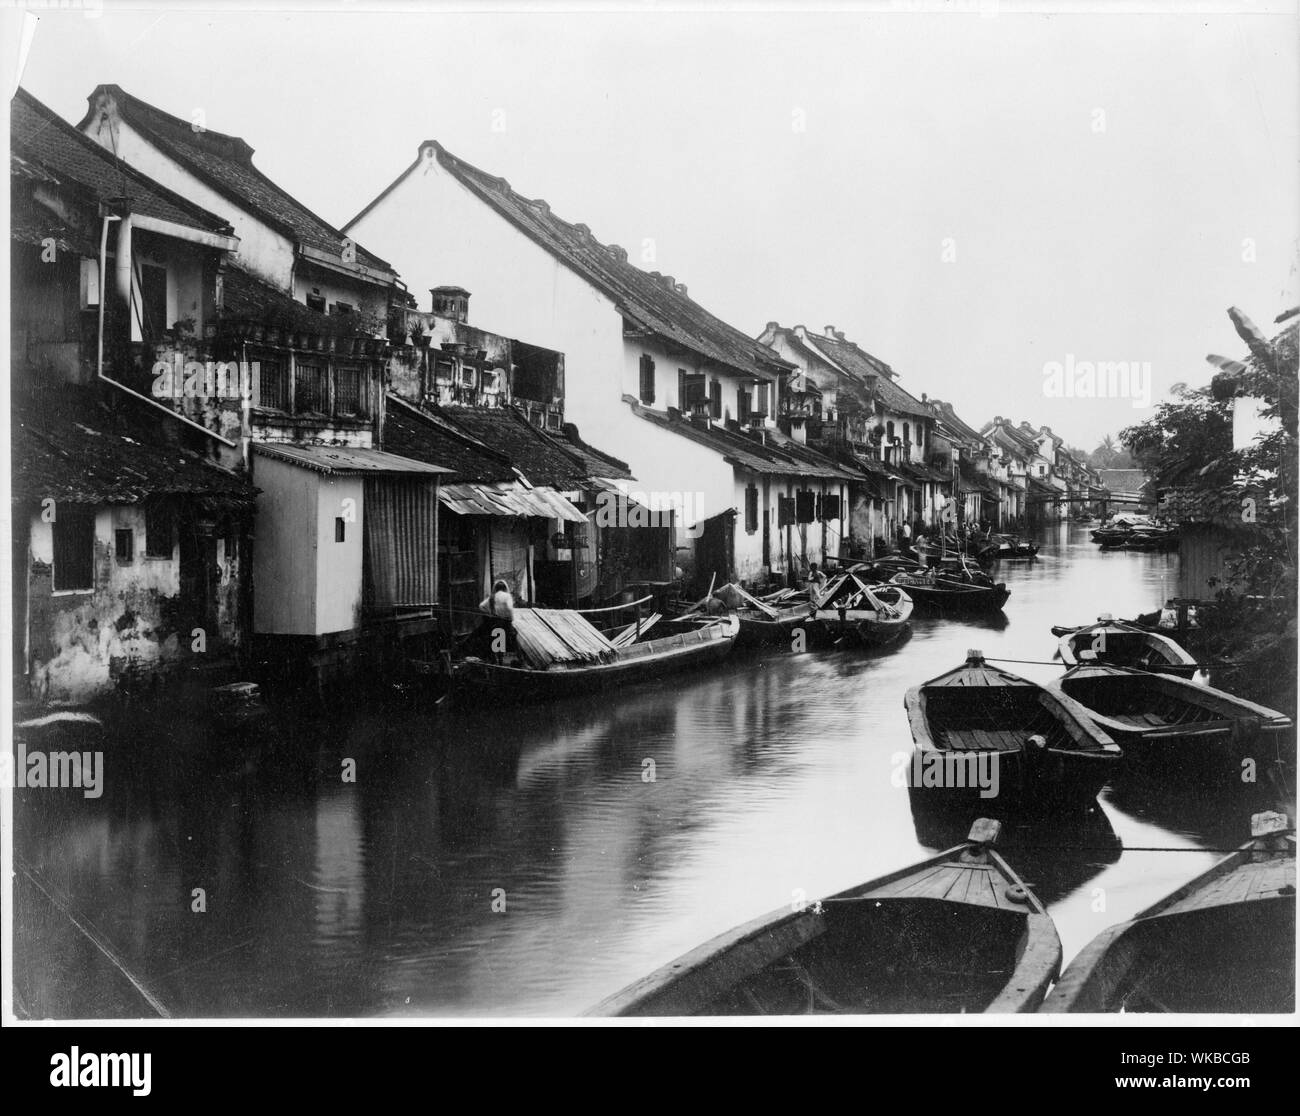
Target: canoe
<point x="935" y="591"/>
<point x="1116" y="643"/>
<point x="1223" y="943"/>
<point x="872" y="615"/>
<point x="1011" y="547"/>
<point x="985" y="734"/>
<point x="1157" y="715"/>
<point x="682" y="644"/>
<point x="959" y="932"/>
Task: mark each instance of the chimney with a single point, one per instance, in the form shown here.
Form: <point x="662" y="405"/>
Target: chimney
<point x="451" y="302"/>
<point x="830" y="332"/>
<point x="681" y="289"/>
<point x="839" y="335"/>
<point x="668" y="281"/>
<point x="771" y="327"/>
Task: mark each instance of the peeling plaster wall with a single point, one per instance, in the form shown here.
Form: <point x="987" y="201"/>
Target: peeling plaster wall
<point x="132" y="626"/>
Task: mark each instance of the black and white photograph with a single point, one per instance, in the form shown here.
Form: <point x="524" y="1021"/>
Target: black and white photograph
<point x="589" y="513"/>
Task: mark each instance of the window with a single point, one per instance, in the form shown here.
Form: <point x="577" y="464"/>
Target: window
<point x="316" y="301"/>
<point x="830" y="506"/>
<point x="340" y="529"/>
<point x="74" y="548"/>
<point x="742" y="405"/>
<point x="124" y="546"/>
<point x="1042" y="470"/>
<point x="805" y="507"/>
<point x="715" y="399"/>
<point x="907" y="434"/>
<point x="647" y="378"/>
<point x="273" y="384"/>
<point x="341" y="308"/>
<point x="310" y="391"/>
<point x="784" y="511"/>
<point x="889" y="431"/>
<point x="158" y="530"/>
<point x="347" y="391"/>
<point x="751" y="509"/>
<point x="691" y="390"/>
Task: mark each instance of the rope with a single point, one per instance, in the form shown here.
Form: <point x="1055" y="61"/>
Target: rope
<point x="1102" y="662"/>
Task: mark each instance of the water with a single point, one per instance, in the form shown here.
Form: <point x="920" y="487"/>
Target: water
<point x="774" y="774"/>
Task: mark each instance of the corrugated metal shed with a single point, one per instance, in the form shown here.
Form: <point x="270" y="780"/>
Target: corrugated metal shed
<point x="508" y="498"/>
<point x="345" y="461"/>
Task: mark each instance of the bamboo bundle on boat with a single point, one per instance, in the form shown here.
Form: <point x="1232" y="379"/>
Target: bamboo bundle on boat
<point x="552" y="635"/>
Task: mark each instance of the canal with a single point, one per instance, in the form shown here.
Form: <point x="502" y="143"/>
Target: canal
<point x="529" y="861"/>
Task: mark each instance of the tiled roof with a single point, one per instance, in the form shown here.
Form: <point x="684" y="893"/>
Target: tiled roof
<point x="72" y="450"/>
<point x="950" y="418"/>
<point x="42" y="137"/>
<point x="415" y="433"/>
<point x="1007" y="432"/>
<point x="1222" y="506"/>
<point x="32" y="223"/>
<point x="539" y="457"/>
<point x="226" y="164"/>
<point x="647" y="300"/>
<point x="872" y="371"/>
<point x="741" y="450"/>
<point x="1123" y="480"/>
<point x="597" y="463"/>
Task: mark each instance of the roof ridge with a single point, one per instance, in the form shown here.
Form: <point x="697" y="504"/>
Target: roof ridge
<point x="120" y="166"/>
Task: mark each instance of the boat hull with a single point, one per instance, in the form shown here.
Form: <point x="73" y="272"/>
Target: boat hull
<point x="661" y="657"/>
<point x="959" y="932"/>
<point x="1225" y="942"/>
<point x="934" y="597"/>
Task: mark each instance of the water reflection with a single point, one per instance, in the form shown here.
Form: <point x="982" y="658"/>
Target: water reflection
<point x="491" y="861"/>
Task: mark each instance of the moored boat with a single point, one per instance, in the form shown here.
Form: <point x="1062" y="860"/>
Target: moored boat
<point x="935" y="590"/>
<point x="983" y="733"/>
<point x="557" y="657"/>
<point x="1160" y="716"/>
<point x="1117" y="643"/>
<point x="869" y="614"/>
<point x="959" y="932"/>
<point x="1223" y="943"/>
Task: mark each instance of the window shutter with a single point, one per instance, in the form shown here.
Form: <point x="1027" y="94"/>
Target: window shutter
<point x="742" y="406"/>
<point x="784" y="511"/>
<point x="715" y="399"/>
<point x="751" y="509"/>
<point x="74" y="547"/>
<point x="647" y="378"/>
<point x="805" y="507"/>
<point x="831" y="506"/>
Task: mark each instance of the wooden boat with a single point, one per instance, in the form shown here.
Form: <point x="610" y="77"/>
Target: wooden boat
<point x="1156" y="715"/>
<point x="869" y="614"/>
<point x="1116" y="643"/>
<point x="1225" y="942"/>
<point x="1011" y="547"/>
<point x="959" y="932"/>
<point x="582" y="665"/>
<point x="936" y="590"/>
<point x="979" y="725"/>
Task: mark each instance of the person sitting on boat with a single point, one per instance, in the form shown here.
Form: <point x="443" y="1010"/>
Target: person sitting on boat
<point x="816" y="581"/>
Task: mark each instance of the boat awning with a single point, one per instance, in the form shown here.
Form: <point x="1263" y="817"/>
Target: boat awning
<point x="346" y="461"/>
<point x="508" y="498"/>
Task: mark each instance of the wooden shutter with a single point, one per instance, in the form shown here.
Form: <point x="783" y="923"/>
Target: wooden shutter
<point x="751" y="509"/>
<point x="647" y="378"/>
<point x="805" y="507"/>
<point x="715" y="399"/>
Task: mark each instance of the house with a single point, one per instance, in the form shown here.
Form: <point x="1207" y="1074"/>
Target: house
<point x="886" y="427"/>
<point x="981" y="492"/>
<point x="345" y="562"/>
<point x="463" y="386"/>
<point x="1030" y="449"/>
<point x="130" y="556"/>
<point x="644" y="364"/>
<point x="131" y="522"/>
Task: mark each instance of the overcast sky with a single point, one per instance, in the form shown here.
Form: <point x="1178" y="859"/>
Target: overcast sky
<point x="1104" y="185"/>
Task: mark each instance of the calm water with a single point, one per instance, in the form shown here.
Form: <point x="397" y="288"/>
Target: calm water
<point x="773" y="773"/>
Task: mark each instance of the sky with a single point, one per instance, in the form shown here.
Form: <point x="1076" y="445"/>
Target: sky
<point x="974" y="196"/>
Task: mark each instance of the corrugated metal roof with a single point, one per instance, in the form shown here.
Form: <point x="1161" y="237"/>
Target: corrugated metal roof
<point x="345" y="461"/>
<point x="508" y="498"/>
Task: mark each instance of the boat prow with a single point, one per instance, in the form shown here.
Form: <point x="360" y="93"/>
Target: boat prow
<point x="1224" y="942"/>
<point x="960" y="932"/>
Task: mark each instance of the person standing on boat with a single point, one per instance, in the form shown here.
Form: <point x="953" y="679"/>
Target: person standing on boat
<point x="500" y="608"/>
<point x="816" y="581"/>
